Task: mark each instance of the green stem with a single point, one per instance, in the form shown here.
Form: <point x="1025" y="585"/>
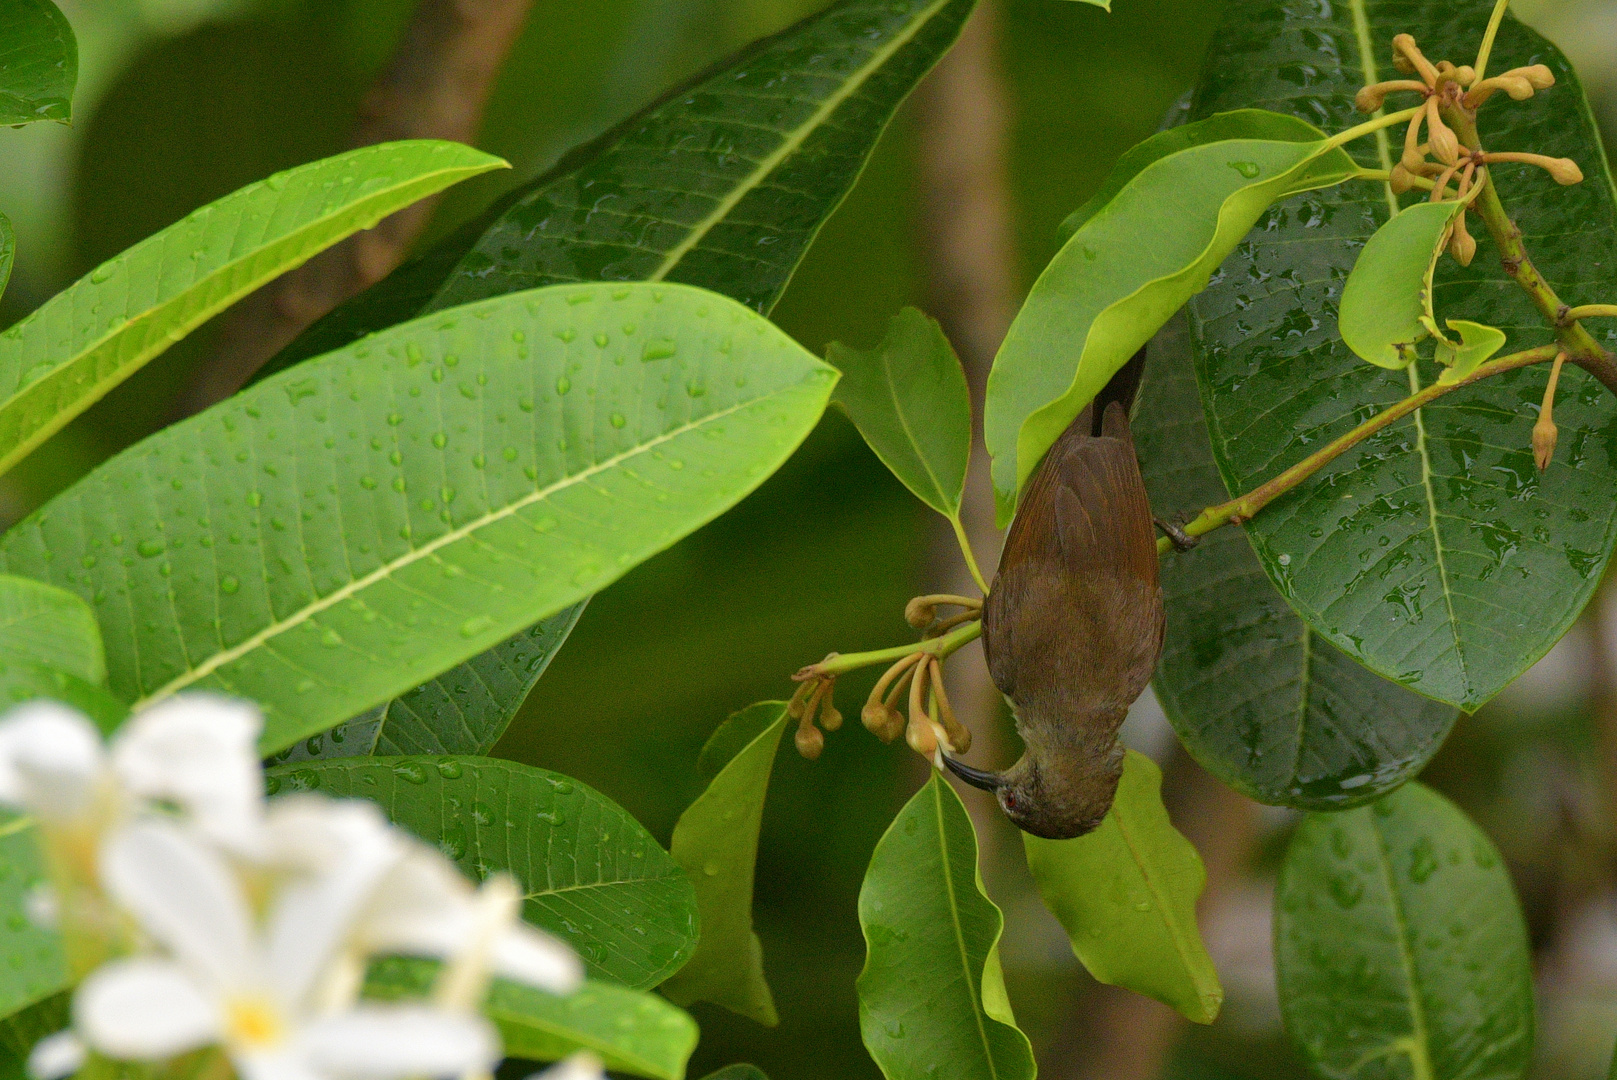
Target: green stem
<point x="1486" y="51"/>
<point x="1369" y="127"/>
<point x="1592" y="311"/>
<point x="965" y="550"/>
<point x="941" y="647"/>
<point x="1240" y="509"/>
<point x="1382" y="176"/>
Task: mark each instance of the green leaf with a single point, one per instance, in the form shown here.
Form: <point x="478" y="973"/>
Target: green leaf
<point x="1477" y="344"/>
<point x="8" y="251"/>
<point x="1259" y="699"/>
<point x="737" y="1072"/>
<point x="932" y="989"/>
<point x="21" y="1030"/>
<point x="908" y="398"/>
<point x="328" y="539"/>
<point x="716" y="841"/>
<point x="1387" y="301"/>
<point x="94" y="334"/>
<point x="1121" y="276"/>
<point x="632" y="1031"/>
<point x="733" y="736"/>
<point x="463" y="711"/>
<point x="592" y="874"/>
<point x="723" y="183"/>
<point x="1399" y="946"/>
<point x="26" y="680"/>
<point x="39" y="63"/>
<point x="1434" y="552"/>
<point x="46" y="625"/>
<point x="32" y="965"/>
<point x="1126" y="895"/>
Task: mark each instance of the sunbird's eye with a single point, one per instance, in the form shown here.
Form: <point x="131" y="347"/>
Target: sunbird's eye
<point x="1009" y="800"/>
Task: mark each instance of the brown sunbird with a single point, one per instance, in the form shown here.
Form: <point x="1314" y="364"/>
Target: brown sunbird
<point x="1073" y="626"/>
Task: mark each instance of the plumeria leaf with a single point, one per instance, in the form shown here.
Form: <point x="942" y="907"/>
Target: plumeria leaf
<point x="716" y="841"/>
<point x="908" y="398"/>
<point x="32" y="964"/>
<point x="39" y="63"/>
<point x="632" y="1031"/>
<point x="49" y="626"/>
<point x="1127" y="269"/>
<point x="591" y="874"/>
<point x="1126" y="895"/>
<point x="463" y="711"/>
<point x="737" y="732"/>
<point x="1260" y="699"/>
<point x="26" y="680"/>
<point x="97" y="332"/>
<point x="1387" y="301"/>
<point x="328" y="539"/>
<point x="1478" y="343"/>
<point x="1399" y="945"/>
<point x="932" y="989"/>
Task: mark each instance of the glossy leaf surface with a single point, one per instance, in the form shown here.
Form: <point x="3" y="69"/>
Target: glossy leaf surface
<point x="25" y="680"/>
<point x="1387" y="301"/>
<point x="1262" y="701"/>
<point x="463" y="711"/>
<point x="98" y="331"/>
<point x="1433" y="552"/>
<point x="1126" y="895"/>
<point x="46" y="625"/>
<point x="630" y="1030"/>
<point x="1123" y="273"/>
<point x="1400" y="947"/>
<point x="590" y="872"/>
<point x="932" y="996"/>
<point x="39" y="63"/>
<point x="328" y="539"/>
<point x="716" y="841"/>
<point x="1476" y="345"/>
<point x="32" y="966"/>
<point x="908" y="398"/>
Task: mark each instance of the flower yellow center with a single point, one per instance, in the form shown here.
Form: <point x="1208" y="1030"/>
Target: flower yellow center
<point x="253" y="1021"/>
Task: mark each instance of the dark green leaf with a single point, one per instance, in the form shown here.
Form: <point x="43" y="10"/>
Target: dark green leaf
<point x="98" y="331"/>
<point x="1399" y="946"/>
<point x="908" y="398"/>
<point x="32" y="966"/>
<point x="932" y="989"/>
<point x="39" y="63"/>
<point x="46" y="625"/>
<point x="21" y="1030"/>
<point x="1126" y="895"/>
<point x="463" y="711"/>
<point x="1433" y="552"/>
<point x="1124" y="272"/>
<point x="737" y="1072"/>
<point x="716" y="841"/>
<point x="8" y="251"/>
<point x="632" y="1031"/>
<point x="326" y="540"/>
<point x="592" y="874"/>
<point x="734" y="736"/>
<point x="1258" y="698"/>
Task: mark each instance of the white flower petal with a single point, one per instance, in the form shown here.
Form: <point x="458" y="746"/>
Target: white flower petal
<point x="56" y="1056"/>
<point x="186" y="896"/>
<point x="40" y="906"/>
<point x="533" y="957"/>
<point x="144" y="1010"/>
<point x="581" y="1066"/>
<point x="423" y="906"/>
<point x="199" y="751"/>
<point x="315" y="914"/>
<point x="287" y="1063"/>
<point x="51" y="761"/>
<point x="383" y="1043"/>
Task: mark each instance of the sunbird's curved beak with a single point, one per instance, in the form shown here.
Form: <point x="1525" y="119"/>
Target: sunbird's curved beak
<point x="988" y="781"/>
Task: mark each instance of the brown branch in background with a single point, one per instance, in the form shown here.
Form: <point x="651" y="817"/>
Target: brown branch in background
<point x="435" y="87"/>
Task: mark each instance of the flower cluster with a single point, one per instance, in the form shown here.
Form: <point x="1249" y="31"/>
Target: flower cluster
<point x="200" y="915"/>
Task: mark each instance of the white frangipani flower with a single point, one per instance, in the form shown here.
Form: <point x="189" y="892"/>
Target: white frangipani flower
<point x="258" y="993"/>
<point x="56" y="1056"/>
<point x="581" y="1066"/>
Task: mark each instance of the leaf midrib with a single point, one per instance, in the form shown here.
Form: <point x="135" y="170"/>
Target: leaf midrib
<point x="414" y="555"/>
<point x="1169" y="917"/>
<point x="977" y="1011"/>
<point x="1419" y="1062"/>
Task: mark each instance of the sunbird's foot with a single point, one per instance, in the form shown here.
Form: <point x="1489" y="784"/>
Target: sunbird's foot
<point x="1182" y="540"/>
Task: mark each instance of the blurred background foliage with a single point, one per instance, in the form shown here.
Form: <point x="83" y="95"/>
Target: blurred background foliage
<point x="181" y="101"/>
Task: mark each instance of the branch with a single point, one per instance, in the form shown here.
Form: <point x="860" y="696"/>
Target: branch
<point x="436" y="87"/>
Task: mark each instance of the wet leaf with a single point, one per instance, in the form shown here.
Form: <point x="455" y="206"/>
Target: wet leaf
<point x="630" y="1030"/>
<point x="45" y="625"/>
<point x="1477" y="344"/>
<point x="716" y="841"/>
<point x="591" y="873"/>
<point x="32" y="965"/>
<point x="98" y="331"/>
<point x="1126" y="895"/>
<point x="25" y="680"/>
<point x="1127" y="269"/>
<point x="1259" y="699"/>
<point x="1400" y="947"/>
<point x="326" y="540"/>
<point x="1433" y="552"/>
<point x="463" y="711"/>
<point x="39" y="63"/>
<point x="1387" y="301"/>
<point x="932" y="989"/>
<point x="737" y="732"/>
<point x="908" y="398"/>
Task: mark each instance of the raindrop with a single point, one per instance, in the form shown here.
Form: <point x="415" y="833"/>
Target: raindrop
<point x="472" y="626"/>
<point x="657" y="349"/>
<point x="150" y="548"/>
<point x="1248" y="169"/>
<point x="229" y="584"/>
<point x="563" y="385"/>
<point x="617" y="419"/>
